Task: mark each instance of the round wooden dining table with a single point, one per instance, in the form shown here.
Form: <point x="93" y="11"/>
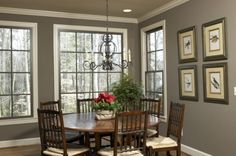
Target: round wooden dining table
<point x="86" y="122"/>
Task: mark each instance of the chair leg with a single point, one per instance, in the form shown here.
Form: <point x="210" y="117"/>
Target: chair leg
<point x="168" y="153"/>
<point x="112" y="139"/>
<point x="178" y="152"/>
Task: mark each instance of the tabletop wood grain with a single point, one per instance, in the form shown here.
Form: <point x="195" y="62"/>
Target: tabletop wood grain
<point x="86" y="122"/>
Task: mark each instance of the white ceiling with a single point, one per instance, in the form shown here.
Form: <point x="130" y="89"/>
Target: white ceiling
<point x="96" y="7"/>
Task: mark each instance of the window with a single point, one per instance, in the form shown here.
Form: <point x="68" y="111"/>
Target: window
<point x="18" y="79"/>
<point x="153" y="62"/>
<point x="74" y="47"/>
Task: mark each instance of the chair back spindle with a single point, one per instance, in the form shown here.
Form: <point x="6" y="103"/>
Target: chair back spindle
<point x="84" y="105"/>
<point x="130" y="127"/>
<point x="175" y="121"/>
<point x="51" y="128"/>
<point x="50" y="105"/>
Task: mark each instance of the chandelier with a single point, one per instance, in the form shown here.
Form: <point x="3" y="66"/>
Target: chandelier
<point x="106" y="49"/>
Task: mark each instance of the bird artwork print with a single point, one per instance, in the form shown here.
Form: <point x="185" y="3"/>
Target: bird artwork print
<point x="187" y="45"/>
<point x="215" y="83"/>
<point x="214" y="38"/>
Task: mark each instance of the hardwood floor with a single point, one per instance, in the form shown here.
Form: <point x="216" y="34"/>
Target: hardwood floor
<point x="34" y="150"/>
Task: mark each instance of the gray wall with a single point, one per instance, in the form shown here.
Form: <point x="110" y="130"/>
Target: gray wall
<point x="208" y="127"/>
<point x="45" y="63"/>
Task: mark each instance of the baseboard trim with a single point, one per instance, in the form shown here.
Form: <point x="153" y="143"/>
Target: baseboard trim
<point x="192" y="151"/>
<point x="20" y="142"/>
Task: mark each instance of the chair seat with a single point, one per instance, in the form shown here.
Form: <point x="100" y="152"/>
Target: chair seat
<point x="151" y="132"/>
<point x="160" y="142"/>
<point x="110" y="152"/>
<point x="59" y="152"/>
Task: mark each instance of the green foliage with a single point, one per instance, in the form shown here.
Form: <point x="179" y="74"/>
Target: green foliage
<point x="106" y="101"/>
<point x="106" y="106"/>
<point x="127" y="90"/>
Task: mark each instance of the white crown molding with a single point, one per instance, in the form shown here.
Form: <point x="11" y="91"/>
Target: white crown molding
<point x="32" y="12"/>
<point x="162" y="9"/>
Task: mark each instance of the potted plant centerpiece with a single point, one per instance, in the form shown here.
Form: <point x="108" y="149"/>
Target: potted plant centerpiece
<point x="105" y="106"/>
<point x="128" y="92"/>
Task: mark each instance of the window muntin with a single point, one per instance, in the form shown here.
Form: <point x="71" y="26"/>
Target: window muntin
<point x="15" y="72"/>
<point x="76" y="82"/>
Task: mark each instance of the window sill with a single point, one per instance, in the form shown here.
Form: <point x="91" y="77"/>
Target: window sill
<point x="18" y="121"/>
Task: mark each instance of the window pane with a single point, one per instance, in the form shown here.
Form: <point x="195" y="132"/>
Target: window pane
<point x="67" y="41"/>
<point x="117" y="41"/>
<point x="150" y="81"/>
<point x="158" y="82"/>
<point x="21" y="39"/>
<point x="5" y="38"/>
<point x="21" y="83"/>
<point x="5" y="84"/>
<point x="5" y="106"/>
<point x="100" y="81"/>
<point x="153" y="95"/>
<point x="84" y="42"/>
<point x="21" y="105"/>
<point x="152" y="41"/>
<point x="81" y="57"/>
<point x="159" y="40"/>
<point x="68" y="103"/>
<point x="117" y="59"/>
<point x="159" y="60"/>
<point x="68" y="82"/>
<point x="68" y="62"/>
<point x="113" y="78"/>
<point x="21" y="61"/>
<point x="84" y="82"/>
<point x="151" y="61"/>
<point x="97" y="39"/>
<point x="85" y="95"/>
<point x="5" y="61"/>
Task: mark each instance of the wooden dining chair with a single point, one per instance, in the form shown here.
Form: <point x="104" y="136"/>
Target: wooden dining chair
<point x="175" y="125"/>
<point x="71" y="136"/>
<point x="152" y="106"/>
<point x="85" y="106"/>
<point x="128" y="127"/>
<point x="52" y="135"/>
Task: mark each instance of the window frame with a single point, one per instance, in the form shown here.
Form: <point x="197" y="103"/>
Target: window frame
<point x="143" y="33"/>
<point x="34" y="73"/>
<point x="58" y="27"/>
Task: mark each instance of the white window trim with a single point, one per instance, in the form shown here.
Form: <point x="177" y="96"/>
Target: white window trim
<point x="144" y="60"/>
<point x="34" y="72"/>
<point x="57" y="27"/>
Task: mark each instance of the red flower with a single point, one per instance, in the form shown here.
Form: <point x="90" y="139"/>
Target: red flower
<point x="105" y="97"/>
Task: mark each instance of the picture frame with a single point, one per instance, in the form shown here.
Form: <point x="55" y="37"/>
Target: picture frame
<point x="215" y="81"/>
<point x="187" y="45"/>
<point x="188" y="88"/>
<point x="214" y="40"/>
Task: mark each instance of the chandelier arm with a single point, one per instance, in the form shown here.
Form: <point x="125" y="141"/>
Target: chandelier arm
<point x="124" y="64"/>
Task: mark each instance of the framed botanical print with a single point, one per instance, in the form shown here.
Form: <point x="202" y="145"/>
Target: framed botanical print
<point x="215" y="81"/>
<point x="188" y="89"/>
<point x="214" y="42"/>
<point x="187" y="45"/>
